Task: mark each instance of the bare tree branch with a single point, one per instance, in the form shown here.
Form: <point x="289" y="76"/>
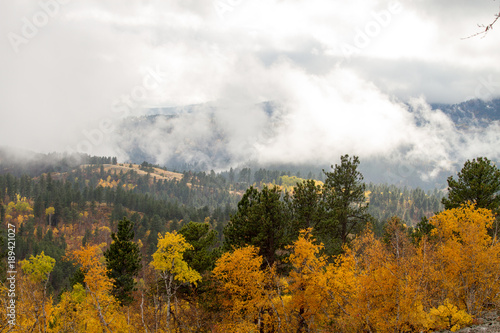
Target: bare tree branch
<point x="485" y="28"/>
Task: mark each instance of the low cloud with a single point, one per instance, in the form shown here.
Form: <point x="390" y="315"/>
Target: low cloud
<point x="293" y="117"/>
<point x="60" y="88"/>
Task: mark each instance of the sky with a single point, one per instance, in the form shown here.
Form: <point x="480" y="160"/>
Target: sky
<point x="340" y="73"/>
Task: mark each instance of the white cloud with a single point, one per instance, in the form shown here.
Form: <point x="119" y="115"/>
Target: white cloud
<point x="63" y="82"/>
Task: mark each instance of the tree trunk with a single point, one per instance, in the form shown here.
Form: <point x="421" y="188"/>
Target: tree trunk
<point x="168" y="289"/>
<point x="302" y="323"/>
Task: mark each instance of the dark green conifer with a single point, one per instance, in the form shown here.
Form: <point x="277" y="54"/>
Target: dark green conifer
<point x="123" y="261"/>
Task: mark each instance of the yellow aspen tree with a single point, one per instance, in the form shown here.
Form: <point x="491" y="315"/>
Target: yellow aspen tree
<point x="410" y="295"/>
<point x="32" y="310"/>
<point x="69" y="314"/>
<point x="377" y="284"/>
<point x="34" y="307"/>
<point x="374" y="285"/>
<point x="468" y="258"/>
<point x="426" y="277"/>
<point x="7" y="309"/>
<point x="307" y="283"/>
<point x="448" y="316"/>
<point x="343" y="289"/>
<point x="243" y="286"/>
<point x="100" y="310"/>
<point x="38" y="270"/>
<point x="19" y="211"/>
<point x="49" y="212"/>
<point x="169" y="263"/>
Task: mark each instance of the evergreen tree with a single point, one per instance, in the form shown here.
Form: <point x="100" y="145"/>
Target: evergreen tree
<point x="306" y="206"/>
<point x="261" y="220"/>
<point x="344" y="203"/>
<point x="423" y="228"/>
<point x="3" y="252"/>
<point x="2" y="212"/>
<point x="123" y="261"/>
<point x="202" y="256"/>
<point x="478" y="182"/>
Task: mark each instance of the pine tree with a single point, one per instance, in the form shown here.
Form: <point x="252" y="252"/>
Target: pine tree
<point x="344" y="202"/>
<point x="123" y="261"/>
<point x="306" y="206"/>
<point x="477" y="182"/>
<point x="202" y="256"/>
<point x="261" y="220"/>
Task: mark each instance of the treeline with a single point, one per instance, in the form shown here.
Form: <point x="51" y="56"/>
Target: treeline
<point x="83" y="188"/>
<point x="407" y="203"/>
<point x="23" y="163"/>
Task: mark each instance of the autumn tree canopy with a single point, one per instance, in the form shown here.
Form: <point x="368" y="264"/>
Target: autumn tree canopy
<point x="174" y="271"/>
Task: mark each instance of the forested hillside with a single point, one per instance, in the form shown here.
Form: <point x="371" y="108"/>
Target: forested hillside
<point x="237" y="250"/>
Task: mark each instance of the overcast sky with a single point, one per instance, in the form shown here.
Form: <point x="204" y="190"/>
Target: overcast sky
<point x="69" y="69"/>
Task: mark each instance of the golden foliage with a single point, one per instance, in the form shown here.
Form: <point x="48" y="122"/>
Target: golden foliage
<point x="168" y="261"/>
<point x="33" y="306"/>
<point x="307" y="282"/>
<point x="49" y="211"/>
<point x="448" y="316"/>
<point x="252" y="297"/>
<point x="38" y="268"/>
<point x="467" y="257"/>
<point x="378" y="284"/>
<point x="19" y="211"/>
<point x="108" y="182"/>
<point x="93" y="308"/>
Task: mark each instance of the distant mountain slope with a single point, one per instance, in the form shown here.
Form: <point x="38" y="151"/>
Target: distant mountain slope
<point x="202" y="137"/>
<point x="472" y="112"/>
<point x="22" y="162"/>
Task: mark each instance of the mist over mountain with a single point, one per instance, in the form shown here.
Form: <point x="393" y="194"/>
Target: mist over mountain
<point x="474" y="112"/>
<point x="18" y="162"/>
<point x="426" y="143"/>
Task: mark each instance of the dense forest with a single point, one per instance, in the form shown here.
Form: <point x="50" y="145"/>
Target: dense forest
<point x="102" y="246"/>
